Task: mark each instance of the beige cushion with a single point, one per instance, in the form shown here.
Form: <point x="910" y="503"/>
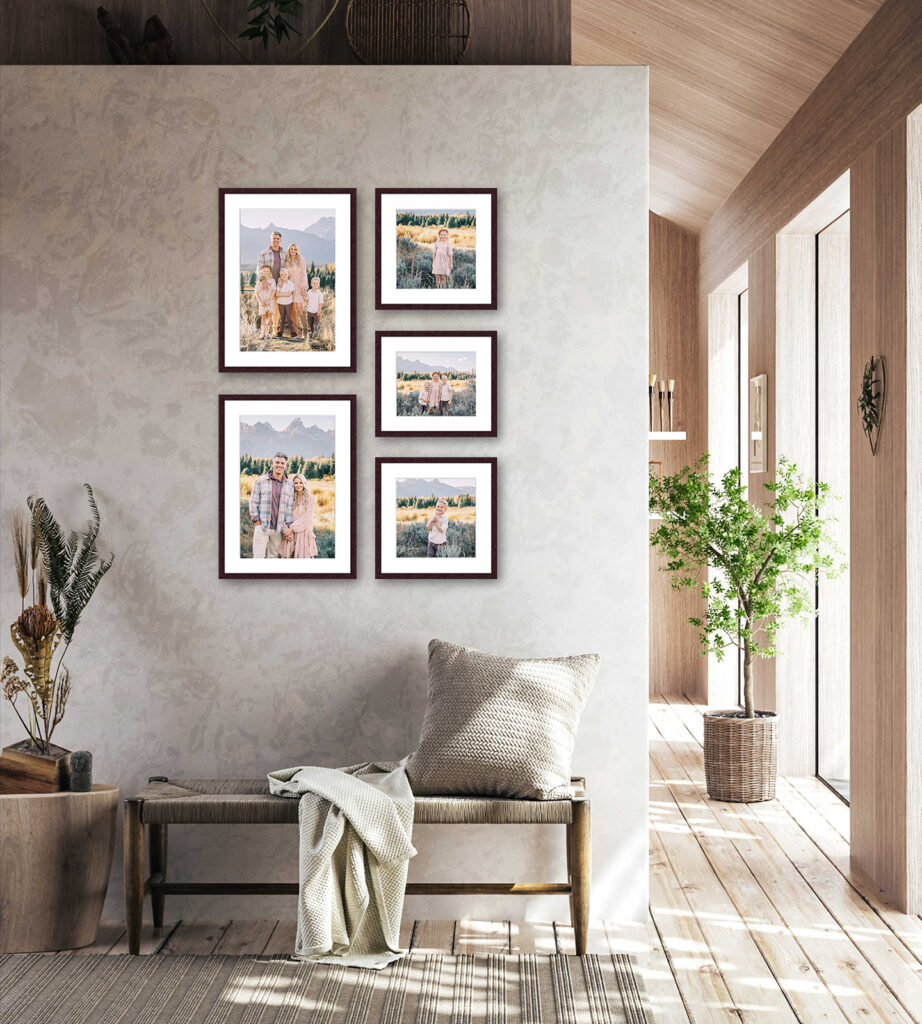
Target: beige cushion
<point x="500" y="726"/>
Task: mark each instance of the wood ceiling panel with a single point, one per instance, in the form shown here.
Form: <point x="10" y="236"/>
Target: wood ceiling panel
<point x="725" y="77"/>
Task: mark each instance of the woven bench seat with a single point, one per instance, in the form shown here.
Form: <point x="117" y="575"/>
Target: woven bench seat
<point x="164" y="802"/>
<point x="249" y="802"/>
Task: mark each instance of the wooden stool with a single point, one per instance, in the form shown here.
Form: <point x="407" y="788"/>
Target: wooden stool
<point x="166" y="802"/>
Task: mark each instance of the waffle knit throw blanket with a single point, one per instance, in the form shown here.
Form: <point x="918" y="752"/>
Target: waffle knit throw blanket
<point x="356" y="826"/>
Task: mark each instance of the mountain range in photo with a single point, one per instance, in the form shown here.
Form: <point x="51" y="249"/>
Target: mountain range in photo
<point x="418" y="487"/>
<point x="317" y="244"/>
<point x="261" y="440"/>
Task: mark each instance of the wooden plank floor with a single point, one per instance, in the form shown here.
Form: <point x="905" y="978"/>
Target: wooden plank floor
<point x="754" y="914"/>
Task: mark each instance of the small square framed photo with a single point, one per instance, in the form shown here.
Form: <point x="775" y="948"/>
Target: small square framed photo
<point x="435" y="248"/>
<point x="435" y="518"/>
<point x="287" y="468"/>
<point x="435" y="382"/>
<point x="287" y="279"/>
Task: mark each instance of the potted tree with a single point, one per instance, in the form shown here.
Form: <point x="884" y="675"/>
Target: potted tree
<point x="765" y="561"/>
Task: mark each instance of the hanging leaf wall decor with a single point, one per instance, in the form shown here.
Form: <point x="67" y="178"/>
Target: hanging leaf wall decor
<point x="871" y="400"/>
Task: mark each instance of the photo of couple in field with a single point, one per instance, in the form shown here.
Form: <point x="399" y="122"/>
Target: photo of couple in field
<point x="287" y="487"/>
<point x="436" y="517"/>
<point x="436" y="383"/>
<point x="288" y="280"/>
<point x="436" y="248"/>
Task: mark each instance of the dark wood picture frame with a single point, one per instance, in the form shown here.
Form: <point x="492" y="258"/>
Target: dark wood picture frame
<point x="491" y="460"/>
<point x="380" y="304"/>
<point x="353" y="286"/>
<point x="379" y="398"/>
<point x="353" y="447"/>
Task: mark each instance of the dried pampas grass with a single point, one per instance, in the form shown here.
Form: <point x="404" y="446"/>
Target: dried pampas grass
<point x="21" y="552"/>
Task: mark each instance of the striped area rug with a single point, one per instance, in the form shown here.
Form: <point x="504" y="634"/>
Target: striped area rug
<point x="37" y="988"/>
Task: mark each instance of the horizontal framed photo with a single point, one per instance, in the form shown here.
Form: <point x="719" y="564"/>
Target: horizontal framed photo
<point x="435" y="382"/>
<point x="287" y="468"/>
<point x="435" y="248"/>
<point x="287" y="279"/>
<point x="435" y="518"/>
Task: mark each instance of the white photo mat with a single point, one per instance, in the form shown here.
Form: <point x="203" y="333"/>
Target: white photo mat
<point x="232" y="562"/>
<point x="480" y="345"/>
<point x="341" y="204"/>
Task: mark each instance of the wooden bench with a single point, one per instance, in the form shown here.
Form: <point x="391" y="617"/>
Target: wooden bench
<point x="166" y="802"/>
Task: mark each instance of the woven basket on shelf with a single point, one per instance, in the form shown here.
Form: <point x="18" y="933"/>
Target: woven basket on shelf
<point x="740" y="756"/>
<point x="408" y="31"/>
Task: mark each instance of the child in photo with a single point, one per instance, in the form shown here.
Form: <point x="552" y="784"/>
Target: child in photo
<point x="444" y="395"/>
<point x="423" y="400"/>
<point x="435" y="393"/>
<point x="265" y="298"/>
<point x="437" y="525"/>
<point x="443" y="260"/>
<point x="313" y="306"/>
<point x="284" y="296"/>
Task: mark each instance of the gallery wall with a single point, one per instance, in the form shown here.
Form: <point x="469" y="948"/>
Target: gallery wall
<point x="110" y="184"/>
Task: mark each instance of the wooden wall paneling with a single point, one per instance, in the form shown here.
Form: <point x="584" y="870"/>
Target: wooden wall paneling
<point x="52" y="32"/>
<point x="762" y="360"/>
<point x="833" y="428"/>
<point x="877" y="81"/>
<point x="676" y="667"/>
<point x="793" y="396"/>
<point x="914" y="512"/>
<point x="881" y="731"/>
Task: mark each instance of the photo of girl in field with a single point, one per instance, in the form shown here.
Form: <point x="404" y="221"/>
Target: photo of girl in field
<point x="436" y="518"/>
<point x="287" y="487"/>
<point x="436" y="248"/>
<point x="287" y="280"/>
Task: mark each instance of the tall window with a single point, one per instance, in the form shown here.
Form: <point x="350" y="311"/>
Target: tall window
<point x="833" y="408"/>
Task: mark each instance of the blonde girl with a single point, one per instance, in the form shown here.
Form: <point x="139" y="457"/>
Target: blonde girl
<point x="443" y="260"/>
<point x="435" y="393"/>
<point x="437" y="525"/>
<point x="297" y="274"/>
<point x="444" y="396"/>
<point x="284" y="297"/>
<point x="423" y="400"/>
<point x="300" y="541"/>
<point x="265" y="298"/>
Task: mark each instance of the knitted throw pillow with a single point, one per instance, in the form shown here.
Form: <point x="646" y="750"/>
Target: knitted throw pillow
<point x="499" y="726"/>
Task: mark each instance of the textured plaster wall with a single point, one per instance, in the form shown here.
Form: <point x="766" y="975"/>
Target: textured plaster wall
<point x="109" y="374"/>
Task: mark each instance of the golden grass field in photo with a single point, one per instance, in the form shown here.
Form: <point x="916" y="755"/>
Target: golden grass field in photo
<point x="461" y="238"/>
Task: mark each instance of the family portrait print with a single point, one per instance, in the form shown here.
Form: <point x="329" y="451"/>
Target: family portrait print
<point x="436" y="249"/>
<point x="436" y="518"/>
<point x="288" y="288"/>
<point x="436" y="382"/>
<point x="287" y="486"/>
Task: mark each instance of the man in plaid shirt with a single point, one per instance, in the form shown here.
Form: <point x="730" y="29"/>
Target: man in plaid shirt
<point x="271" y="508"/>
<point x="273" y="258"/>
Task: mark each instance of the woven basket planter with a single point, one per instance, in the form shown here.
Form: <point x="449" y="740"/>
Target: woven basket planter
<point x="740" y="756"/>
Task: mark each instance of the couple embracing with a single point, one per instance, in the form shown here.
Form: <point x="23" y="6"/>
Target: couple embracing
<point x="282" y="513"/>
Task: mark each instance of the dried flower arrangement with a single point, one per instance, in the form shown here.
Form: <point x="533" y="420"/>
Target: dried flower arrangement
<point x="68" y="568"/>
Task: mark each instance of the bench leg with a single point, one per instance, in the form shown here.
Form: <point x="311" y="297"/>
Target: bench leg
<point x="580" y="872"/>
<point x="157" y="836"/>
<point x="134" y="873"/>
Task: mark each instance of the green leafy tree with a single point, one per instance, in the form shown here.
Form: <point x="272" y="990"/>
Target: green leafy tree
<point x="767" y="559"/>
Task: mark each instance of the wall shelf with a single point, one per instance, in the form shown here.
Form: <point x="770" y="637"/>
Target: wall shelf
<point x="666" y="435"/>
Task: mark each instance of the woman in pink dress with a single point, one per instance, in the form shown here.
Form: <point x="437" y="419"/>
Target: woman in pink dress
<point x="300" y="542"/>
<point x="443" y="260"/>
<point x="297" y="274"/>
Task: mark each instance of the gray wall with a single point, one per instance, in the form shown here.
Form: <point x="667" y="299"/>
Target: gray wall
<point x="109" y="330"/>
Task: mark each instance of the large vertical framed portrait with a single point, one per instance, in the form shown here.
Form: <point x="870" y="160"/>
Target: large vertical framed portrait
<point x="435" y="248"/>
<point x="435" y="383"/>
<point x="287" y="468"/>
<point x="435" y="518"/>
<point x="758" y="419"/>
<point x="287" y="279"/>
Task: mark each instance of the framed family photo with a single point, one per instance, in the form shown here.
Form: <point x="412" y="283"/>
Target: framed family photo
<point x="435" y="382"/>
<point x="435" y="518"/>
<point x="287" y="279"/>
<point x="287" y="468"/>
<point x="758" y="416"/>
<point x="435" y="248"/>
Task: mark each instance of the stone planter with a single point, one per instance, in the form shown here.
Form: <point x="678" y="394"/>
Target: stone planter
<point x="57" y="853"/>
<point x="740" y="756"/>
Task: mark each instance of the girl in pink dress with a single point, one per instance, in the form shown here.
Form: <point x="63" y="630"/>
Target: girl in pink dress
<point x="297" y="274"/>
<point x="300" y="542"/>
<point x="443" y="260"/>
